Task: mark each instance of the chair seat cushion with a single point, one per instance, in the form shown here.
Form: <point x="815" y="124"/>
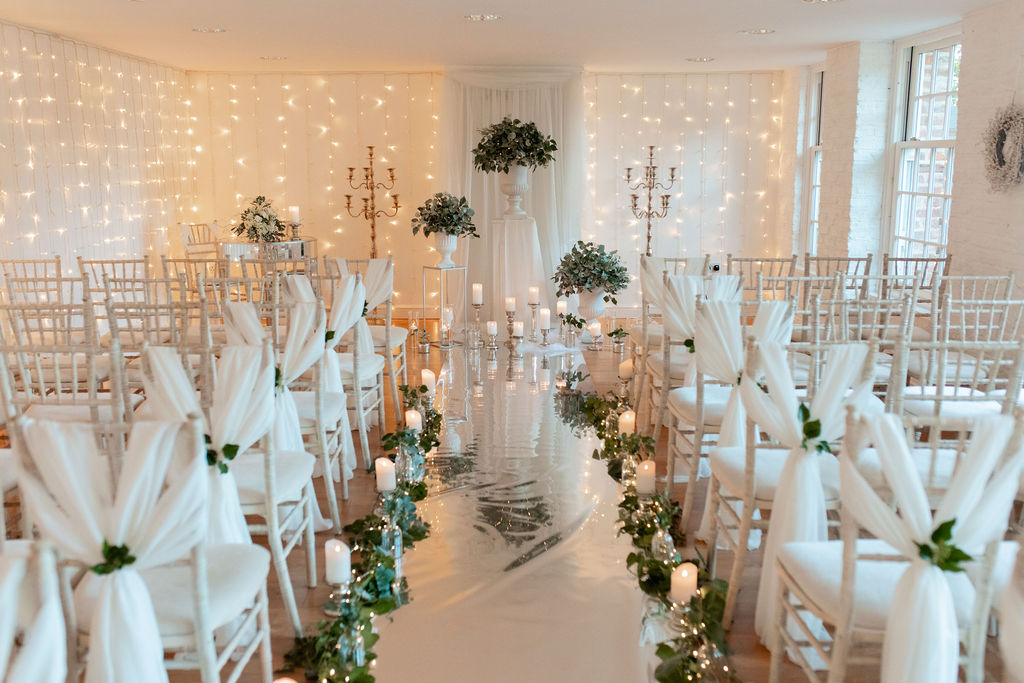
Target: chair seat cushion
<point x="398" y="336"/>
<point x="235" y="572"/>
<point x="682" y="402"/>
<point x="8" y="470"/>
<point x="369" y="367"/>
<point x="655" y="333"/>
<point x="817" y="569"/>
<point x="680" y="362"/>
<point x="70" y="412"/>
<point x="728" y="465"/>
<point x="916" y="402"/>
<point x="958" y="365"/>
<point x="335" y="404"/>
<point x="999" y="394"/>
<point x="941" y="469"/>
<point x="293" y="469"/>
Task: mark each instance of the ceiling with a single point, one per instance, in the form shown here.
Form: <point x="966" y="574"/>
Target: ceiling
<point x="417" y="35"/>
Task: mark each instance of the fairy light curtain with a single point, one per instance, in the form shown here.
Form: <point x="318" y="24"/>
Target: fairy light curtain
<point x="292" y="137"/>
<point x="93" y="149"/>
<point x="721" y="131"/>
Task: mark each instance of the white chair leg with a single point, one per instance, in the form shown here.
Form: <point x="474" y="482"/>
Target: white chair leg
<point x="284" y="579"/>
<point x="404" y="356"/>
<point x="310" y="537"/>
<point x="364" y="441"/>
<point x="379" y="396"/>
<point x="394" y="391"/>
<point x="266" y="654"/>
<point x="325" y="466"/>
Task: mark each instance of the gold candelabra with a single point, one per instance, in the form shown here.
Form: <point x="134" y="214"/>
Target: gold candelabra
<point x="370" y="211"/>
<point x="650" y="183"/>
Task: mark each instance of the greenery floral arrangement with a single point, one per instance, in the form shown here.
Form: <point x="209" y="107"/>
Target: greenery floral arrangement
<point x="1004" y="148"/>
<point x="444" y="213"/>
<point x="588" y="267"/>
<point x="418" y="398"/>
<point x="572" y="320"/>
<point x="700" y="651"/>
<point x="512" y="143"/>
<point x="259" y="222"/>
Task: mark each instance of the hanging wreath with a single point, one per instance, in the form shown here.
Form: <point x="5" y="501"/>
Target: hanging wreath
<point x="1004" y="148"/>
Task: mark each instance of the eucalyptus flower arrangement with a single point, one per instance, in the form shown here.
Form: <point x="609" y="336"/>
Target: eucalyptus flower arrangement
<point x="444" y="213"/>
<point x="512" y="143"/>
<point x="588" y="267"/>
<point x="259" y="222"/>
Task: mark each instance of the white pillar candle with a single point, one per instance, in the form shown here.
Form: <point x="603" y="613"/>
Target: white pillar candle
<point x="534" y="295"/>
<point x="517" y="328"/>
<point x="626" y="369"/>
<point x="413" y="420"/>
<point x="545" y="319"/>
<point x="595" y="329"/>
<point x="285" y="680"/>
<point x="338" y="560"/>
<point x="294" y="212"/>
<point x="510" y="304"/>
<point x="428" y="379"/>
<point x="562" y="307"/>
<point x="385" y="470"/>
<point x="627" y="422"/>
<point x="684" y="583"/>
<point x="492" y="327"/>
<point x="645" y="478"/>
<point x="478" y="294"/>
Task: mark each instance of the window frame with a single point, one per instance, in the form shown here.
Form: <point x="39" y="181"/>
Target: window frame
<point x="814" y="99"/>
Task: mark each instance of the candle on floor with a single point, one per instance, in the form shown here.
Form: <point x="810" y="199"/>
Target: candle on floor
<point x="545" y="319"/>
<point x="534" y="295"/>
<point x="645" y="478"/>
<point x="413" y="420"/>
<point x="517" y="328"/>
<point x="294" y="212"/>
<point x="385" y="470"/>
<point x="285" y="680"/>
<point x="627" y="422"/>
<point x="428" y="379"/>
<point x="562" y="307"/>
<point x="478" y="294"/>
<point x="684" y="583"/>
<point x="492" y="327"/>
<point x="338" y="560"/>
<point x="510" y="304"/>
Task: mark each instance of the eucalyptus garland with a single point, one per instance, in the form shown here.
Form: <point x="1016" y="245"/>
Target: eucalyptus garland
<point x="699" y="652"/>
<point x="1004" y="148"/>
<point x="340" y="650"/>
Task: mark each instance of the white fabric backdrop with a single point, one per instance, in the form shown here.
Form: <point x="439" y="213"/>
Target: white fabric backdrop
<point x="553" y="99"/>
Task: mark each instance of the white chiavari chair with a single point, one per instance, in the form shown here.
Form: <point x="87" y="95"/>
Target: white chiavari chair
<point x="146" y="584"/>
<point x="263" y="267"/>
<point x="192" y="269"/>
<point x="824" y="266"/>
<point x="750" y="268"/>
<point x="199" y="239"/>
<point x="97" y="269"/>
<point x="879" y="595"/>
<point x="974" y="287"/>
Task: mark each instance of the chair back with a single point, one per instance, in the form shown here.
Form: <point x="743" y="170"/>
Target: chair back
<point x="819" y="266"/>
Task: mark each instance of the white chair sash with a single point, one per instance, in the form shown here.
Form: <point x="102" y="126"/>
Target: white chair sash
<point x="798" y="511"/>
<point x="1011" y="628"/>
<point x="680" y="294"/>
<point x="158" y="511"/>
<point x="379" y="281"/>
<point x="42" y="657"/>
<point x="921" y="634"/>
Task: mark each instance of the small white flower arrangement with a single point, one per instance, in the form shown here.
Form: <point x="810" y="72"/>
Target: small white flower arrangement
<point x="259" y="222"/>
<point x="1004" y="148"/>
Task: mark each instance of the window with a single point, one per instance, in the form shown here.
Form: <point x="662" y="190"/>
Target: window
<point x="812" y="200"/>
<point x="926" y="151"/>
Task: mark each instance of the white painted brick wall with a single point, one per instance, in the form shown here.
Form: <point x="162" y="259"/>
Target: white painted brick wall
<point x="792" y="160"/>
<point x="986" y="229"/>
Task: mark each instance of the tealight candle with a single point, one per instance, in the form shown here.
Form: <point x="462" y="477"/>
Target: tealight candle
<point x="338" y="561"/>
<point x="413" y="420"/>
<point x="534" y="295"/>
<point x="627" y="422"/>
<point x="385" y="470"/>
<point x="545" y="319"/>
<point x="510" y="304"/>
<point x="645" y="478"/>
<point x="562" y="307"/>
<point x="294" y="211"/>
<point x="492" y="327"/>
<point x="684" y="583"/>
<point x="428" y="379"/>
<point x="517" y="328"/>
<point x="478" y="294"/>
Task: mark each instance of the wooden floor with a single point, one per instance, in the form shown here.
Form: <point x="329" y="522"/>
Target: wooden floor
<point x="749" y="659"/>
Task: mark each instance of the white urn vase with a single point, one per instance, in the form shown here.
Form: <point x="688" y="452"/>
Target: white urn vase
<point x="591" y="304"/>
<point x="446" y="245"/>
<point x="514" y="185"/>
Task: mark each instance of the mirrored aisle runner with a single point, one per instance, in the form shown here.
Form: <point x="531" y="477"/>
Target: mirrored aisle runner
<point x="523" y="577"/>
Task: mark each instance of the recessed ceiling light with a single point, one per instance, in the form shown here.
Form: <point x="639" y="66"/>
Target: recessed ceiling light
<point x="758" y="31"/>
<point x="208" y="29"/>
<point x="273" y="58"/>
<point x="700" y="59"/>
<point x="483" y="17"/>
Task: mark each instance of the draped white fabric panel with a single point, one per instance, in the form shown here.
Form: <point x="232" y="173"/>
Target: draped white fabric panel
<point x="473" y="100"/>
<point x="722" y="132"/>
<point x="93" y="149"/>
<point x="292" y="137"/>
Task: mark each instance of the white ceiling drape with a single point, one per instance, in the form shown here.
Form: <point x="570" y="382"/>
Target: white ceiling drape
<point x="551" y="98"/>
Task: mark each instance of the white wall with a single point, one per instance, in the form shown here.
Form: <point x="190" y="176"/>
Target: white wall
<point x="986" y="231"/>
<point x="93" y="148"/>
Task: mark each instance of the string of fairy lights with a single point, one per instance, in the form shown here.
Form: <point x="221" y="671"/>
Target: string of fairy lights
<point x="106" y="153"/>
